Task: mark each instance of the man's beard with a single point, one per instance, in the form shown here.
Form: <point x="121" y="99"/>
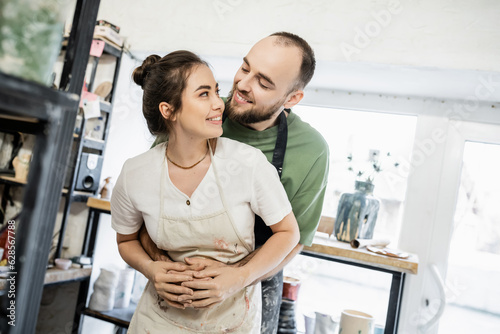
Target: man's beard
<point x="252" y="115"/>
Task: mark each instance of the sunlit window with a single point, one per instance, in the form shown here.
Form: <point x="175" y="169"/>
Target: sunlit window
<point x="472" y="290"/>
<point x="329" y="287"/>
<point x="359" y="134"/>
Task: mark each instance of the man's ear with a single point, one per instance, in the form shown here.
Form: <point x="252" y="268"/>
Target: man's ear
<point x="294" y="98"/>
<point x="166" y="111"/>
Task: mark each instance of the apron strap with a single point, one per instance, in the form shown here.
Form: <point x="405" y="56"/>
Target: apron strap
<point x="223" y="199"/>
<point x="281" y="140"/>
<point x="261" y="230"/>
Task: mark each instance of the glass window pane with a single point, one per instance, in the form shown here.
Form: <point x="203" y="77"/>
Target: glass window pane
<point x="473" y="292"/>
<point x="357" y="133"/>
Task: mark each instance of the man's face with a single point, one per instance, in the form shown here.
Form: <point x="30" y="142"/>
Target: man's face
<point x="263" y="83"/>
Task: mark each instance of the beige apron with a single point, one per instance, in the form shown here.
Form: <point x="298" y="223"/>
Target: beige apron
<point x="212" y="236"/>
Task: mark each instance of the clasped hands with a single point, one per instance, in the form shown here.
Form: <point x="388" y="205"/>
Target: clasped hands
<point x="198" y="283"/>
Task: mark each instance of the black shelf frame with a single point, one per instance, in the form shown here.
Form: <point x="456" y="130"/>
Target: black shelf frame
<point x="83" y="143"/>
<point x="50" y="115"/>
<point x="23" y="100"/>
<point x="395" y="292"/>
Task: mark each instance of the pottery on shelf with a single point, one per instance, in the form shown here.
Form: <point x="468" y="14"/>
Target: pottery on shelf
<point x="290" y="288"/>
<point x="325" y="324"/>
<point x="62" y="264"/>
<point x="21" y="165"/>
<point x="357" y="213"/>
<point x="356" y="322"/>
<point x="107" y="189"/>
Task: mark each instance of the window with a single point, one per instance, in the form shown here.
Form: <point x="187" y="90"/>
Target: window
<point x="328" y="287"/>
<point x="472" y="291"/>
<point x="357" y="133"/>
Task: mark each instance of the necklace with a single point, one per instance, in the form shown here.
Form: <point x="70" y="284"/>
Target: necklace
<point x="183" y="167"/>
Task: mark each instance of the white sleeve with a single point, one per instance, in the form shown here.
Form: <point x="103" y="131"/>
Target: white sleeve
<point x="125" y="218"/>
<point x="269" y="199"/>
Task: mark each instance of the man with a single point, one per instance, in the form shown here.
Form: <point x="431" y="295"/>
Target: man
<point x="269" y="82"/>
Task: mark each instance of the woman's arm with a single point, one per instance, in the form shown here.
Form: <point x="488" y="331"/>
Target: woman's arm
<point x="230" y="279"/>
<point x="166" y="284"/>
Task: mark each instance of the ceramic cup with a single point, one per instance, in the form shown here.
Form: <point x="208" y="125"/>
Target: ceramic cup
<point x="310" y="322"/>
<point x="290" y="288"/>
<point x="324" y="324"/>
<point x="355" y="322"/>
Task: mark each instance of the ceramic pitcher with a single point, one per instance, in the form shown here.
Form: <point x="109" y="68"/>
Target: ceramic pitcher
<point x="355" y="322"/>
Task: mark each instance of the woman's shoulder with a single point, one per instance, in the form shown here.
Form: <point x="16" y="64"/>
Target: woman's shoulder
<point x="230" y="148"/>
<point x="147" y="160"/>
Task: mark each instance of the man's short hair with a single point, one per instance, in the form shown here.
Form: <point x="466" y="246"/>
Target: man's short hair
<point x="308" y="61"/>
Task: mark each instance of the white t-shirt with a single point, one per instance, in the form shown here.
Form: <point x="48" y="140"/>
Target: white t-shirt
<point x="249" y="182"/>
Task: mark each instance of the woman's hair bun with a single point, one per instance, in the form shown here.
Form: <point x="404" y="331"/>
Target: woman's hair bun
<point x="140" y="73"/>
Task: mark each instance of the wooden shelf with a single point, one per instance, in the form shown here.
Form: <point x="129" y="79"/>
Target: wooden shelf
<point x="56" y="276"/>
<point x="120" y="316"/>
<point x="329" y="246"/>
<point x="98" y="203"/>
<point x="12" y="181"/>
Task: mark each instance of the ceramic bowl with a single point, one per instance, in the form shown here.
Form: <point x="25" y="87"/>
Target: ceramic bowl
<point x="62" y="264"/>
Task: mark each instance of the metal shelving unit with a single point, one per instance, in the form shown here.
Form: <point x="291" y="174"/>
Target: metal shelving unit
<point x="84" y="144"/>
<point x="49" y="115"/>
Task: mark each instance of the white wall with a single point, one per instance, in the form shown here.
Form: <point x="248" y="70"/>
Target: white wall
<point x="456" y="34"/>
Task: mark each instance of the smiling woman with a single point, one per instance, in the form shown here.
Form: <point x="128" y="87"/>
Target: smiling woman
<point x="187" y="191"/>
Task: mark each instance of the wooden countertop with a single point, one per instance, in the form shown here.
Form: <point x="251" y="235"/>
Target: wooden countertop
<point x="98" y="203"/>
<point x="55" y="275"/>
<point x="329" y="246"/>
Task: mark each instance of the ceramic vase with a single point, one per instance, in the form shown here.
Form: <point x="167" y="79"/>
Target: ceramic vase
<point x="103" y="297"/>
<point x="355" y="322"/>
<point x="21" y="165"/>
<point x="286" y="321"/>
<point x="357" y="213"/>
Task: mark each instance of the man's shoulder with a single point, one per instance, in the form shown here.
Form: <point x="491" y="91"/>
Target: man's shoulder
<point x="302" y="131"/>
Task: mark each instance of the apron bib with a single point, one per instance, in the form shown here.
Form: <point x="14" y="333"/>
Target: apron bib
<point x="213" y="236"/>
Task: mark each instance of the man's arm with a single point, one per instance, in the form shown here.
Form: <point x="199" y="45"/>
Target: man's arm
<point x="224" y="281"/>
<point x="296" y="250"/>
<point x="167" y="285"/>
<point x="211" y="264"/>
<point x="150" y="248"/>
<point x="307" y="205"/>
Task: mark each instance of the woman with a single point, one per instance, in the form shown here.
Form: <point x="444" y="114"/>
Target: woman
<point x="198" y="195"/>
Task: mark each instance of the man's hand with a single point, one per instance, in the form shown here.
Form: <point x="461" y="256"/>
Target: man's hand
<point x="213" y="285"/>
<point x="167" y="278"/>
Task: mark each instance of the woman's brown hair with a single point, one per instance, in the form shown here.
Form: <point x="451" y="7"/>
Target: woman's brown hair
<point x="164" y="80"/>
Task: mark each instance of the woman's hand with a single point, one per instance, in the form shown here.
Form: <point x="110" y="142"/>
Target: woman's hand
<point x="167" y="277"/>
<point x="213" y="285"/>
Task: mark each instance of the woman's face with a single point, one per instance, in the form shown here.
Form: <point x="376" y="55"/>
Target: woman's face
<point x="200" y="115"/>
